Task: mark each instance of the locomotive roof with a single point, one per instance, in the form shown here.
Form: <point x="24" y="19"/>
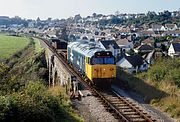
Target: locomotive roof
<point x="86" y="48"/>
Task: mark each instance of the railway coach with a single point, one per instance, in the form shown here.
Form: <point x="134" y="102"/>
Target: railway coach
<point x="97" y="64"/>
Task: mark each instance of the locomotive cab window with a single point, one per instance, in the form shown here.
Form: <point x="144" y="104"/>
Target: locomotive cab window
<point x="109" y="60"/>
<point x="97" y="61"/>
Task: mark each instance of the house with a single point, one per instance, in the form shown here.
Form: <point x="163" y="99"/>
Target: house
<point x="148" y="41"/>
<point x="176" y="40"/>
<point x="144" y="49"/>
<point x="125" y="44"/>
<point x="147" y="33"/>
<point x="133" y="63"/>
<point x="125" y="30"/>
<point x="174" y="50"/>
<point x="174" y="33"/>
<point x="175" y="13"/>
<point x="149" y="57"/>
<point x="110" y="45"/>
<point x="158" y="28"/>
<point x="159" y="43"/>
<point x="171" y="27"/>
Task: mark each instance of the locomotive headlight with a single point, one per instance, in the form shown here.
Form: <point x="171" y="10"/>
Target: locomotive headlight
<point x="104" y="69"/>
<point x="111" y="69"/>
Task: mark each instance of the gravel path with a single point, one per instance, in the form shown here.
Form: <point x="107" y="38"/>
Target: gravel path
<point x="92" y="109"/>
<point x="131" y="96"/>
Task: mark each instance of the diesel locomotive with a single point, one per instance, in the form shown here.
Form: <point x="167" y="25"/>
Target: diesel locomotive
<point x="97" y="64"/>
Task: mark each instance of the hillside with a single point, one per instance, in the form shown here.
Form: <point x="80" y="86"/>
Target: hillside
<point x="24" y="94"/>
<point x="160" y="86"/>
<point x="165" y="76"/>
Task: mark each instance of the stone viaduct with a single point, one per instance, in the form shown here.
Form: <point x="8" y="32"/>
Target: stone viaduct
<point x="58" y="73"/>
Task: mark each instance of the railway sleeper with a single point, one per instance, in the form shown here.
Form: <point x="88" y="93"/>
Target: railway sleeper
<point x="138" y="120"/>
<point x="136" y="107"/>
<point x="134" y="116"/>
<point x="129" y="113"/>
<point x="123" y="107"/>
<point x="143" y="117"/>
<point x="118" y="100"/>
<point x="114" y="98"/>
<point x="148" y="116"/>
<point x="145" y="114"/>
<point x="132" y="103"/>
<point x="127" y="110"/>
<point x="121" y="104"/>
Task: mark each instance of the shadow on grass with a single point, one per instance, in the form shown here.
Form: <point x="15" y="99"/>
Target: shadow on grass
<point x="139" y="86"/>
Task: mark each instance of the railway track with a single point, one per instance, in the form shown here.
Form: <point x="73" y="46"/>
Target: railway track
<point x="128" y="109"/>
<point x="121" y="108"/>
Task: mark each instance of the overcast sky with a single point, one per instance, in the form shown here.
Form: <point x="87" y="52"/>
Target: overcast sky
<point x="66" y="8"/>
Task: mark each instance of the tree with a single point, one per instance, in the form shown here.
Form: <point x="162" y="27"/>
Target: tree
<point x="117" y="13"/>
<point x="77" y="17"/>
<point x="49" y="19"/>
<point x="151" y="14"/>
<point x="38" y="19"/>
<point x="94" y="14"/>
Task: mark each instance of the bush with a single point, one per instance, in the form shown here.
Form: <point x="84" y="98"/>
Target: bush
<point x="157" y="73"/>
<point x="3" y="69"/>
<point x="4" y="107"/>
<point x="34" y="103"/>
<point x="21" y="107"/>
<point x="175" y="76"/>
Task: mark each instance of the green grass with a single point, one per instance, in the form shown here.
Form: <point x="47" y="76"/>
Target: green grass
<point x="38" y="47"/>
<point x="10" y="45"/>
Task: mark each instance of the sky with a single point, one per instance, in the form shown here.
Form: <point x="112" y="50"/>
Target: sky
<point x="32" y="9"/>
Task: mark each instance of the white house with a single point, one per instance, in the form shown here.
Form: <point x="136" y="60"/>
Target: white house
<point x="174" y="50"/>
<point x="163" y="28"/>
<point x="158" y="28"/>
<point x="125" y="44"/>
<point x="110" y="45"/>
<point x="133" y="63"/>
<point x="171" y="26"/>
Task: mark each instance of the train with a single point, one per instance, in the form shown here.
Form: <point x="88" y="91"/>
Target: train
<point x="93" y="62"/>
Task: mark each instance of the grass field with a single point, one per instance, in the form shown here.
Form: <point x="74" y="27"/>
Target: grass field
<point x="38" y="47"/>
<point x="9" y="45"/>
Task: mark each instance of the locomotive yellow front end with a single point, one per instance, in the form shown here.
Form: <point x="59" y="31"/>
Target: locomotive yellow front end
<point x="101" y="68"/>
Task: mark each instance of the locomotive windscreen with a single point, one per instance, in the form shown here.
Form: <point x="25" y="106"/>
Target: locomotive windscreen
<point x="103" y="57"/>
<point x="103" y="54"/>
